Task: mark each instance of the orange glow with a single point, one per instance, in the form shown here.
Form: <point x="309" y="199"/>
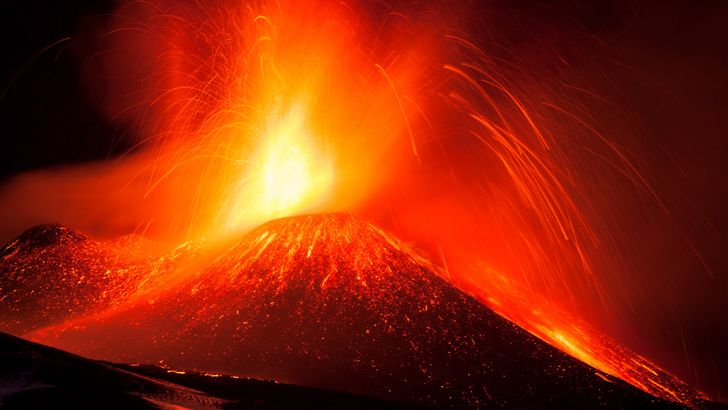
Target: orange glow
<point x="263" y="111"/>
<point x="251" y="111"/>
<point x="287" y="174"/>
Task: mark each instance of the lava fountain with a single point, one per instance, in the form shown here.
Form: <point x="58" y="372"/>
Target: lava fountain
<point x="264" y="110"/>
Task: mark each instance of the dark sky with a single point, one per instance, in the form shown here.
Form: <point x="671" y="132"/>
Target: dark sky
<point x="676" y="53"/>
<point x="46" y="116"/>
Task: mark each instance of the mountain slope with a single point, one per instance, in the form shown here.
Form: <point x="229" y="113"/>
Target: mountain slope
<point x="332" y="302"/>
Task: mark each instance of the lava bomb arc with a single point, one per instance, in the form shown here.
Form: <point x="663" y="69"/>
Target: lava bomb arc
<point x="353" y="196"/>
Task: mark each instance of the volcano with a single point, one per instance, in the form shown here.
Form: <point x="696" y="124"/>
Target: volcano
<point x="331" y="301"/>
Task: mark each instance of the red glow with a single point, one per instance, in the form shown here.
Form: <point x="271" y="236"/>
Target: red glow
<point x="273" y="109"/>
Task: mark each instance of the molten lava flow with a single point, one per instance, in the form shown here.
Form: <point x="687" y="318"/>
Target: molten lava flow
<point x="578" y="339"/>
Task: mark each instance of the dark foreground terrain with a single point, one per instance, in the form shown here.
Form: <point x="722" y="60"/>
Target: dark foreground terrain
<point x="35" y="376"/>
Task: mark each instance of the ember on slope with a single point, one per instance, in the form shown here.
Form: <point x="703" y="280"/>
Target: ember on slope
<point x="51" y="273"/>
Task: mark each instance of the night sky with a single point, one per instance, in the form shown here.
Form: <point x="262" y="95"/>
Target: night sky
<point x="675" y="86"/>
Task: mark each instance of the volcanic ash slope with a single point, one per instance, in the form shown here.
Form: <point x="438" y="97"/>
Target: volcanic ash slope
<point x="331" y="301"/>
